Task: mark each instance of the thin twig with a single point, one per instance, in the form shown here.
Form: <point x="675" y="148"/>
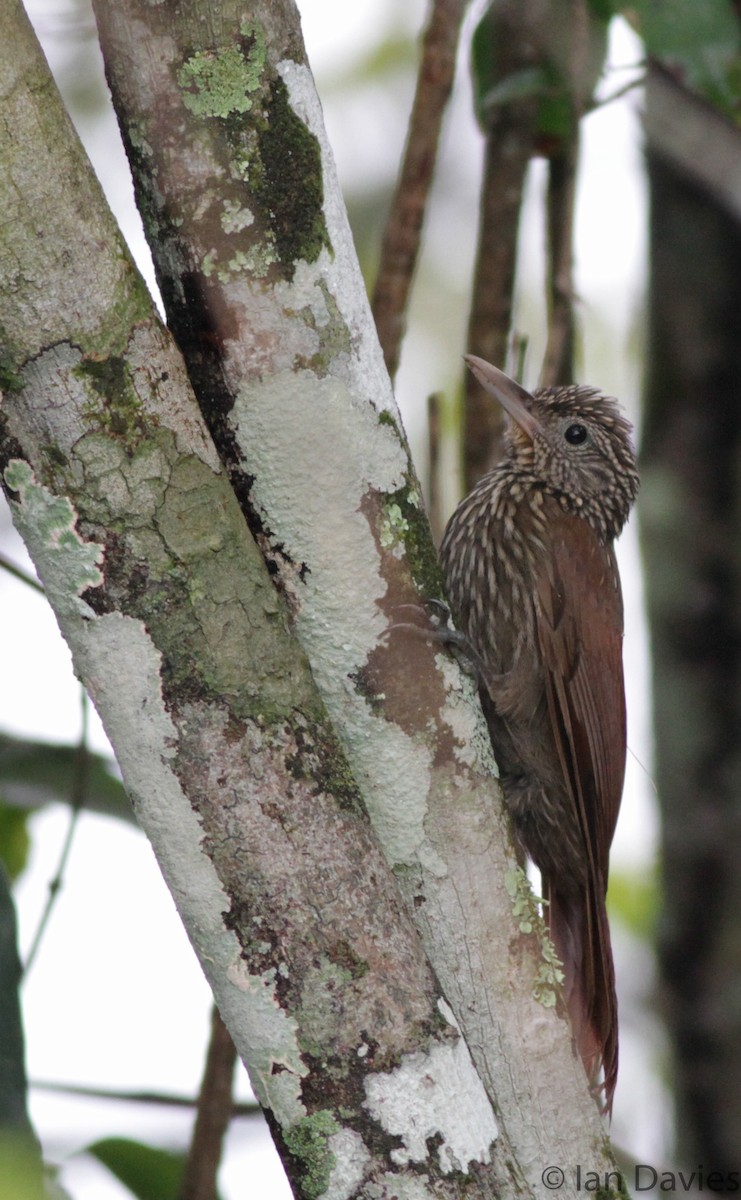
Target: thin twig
<point x="631" y="86"/>
<point x="214" y="1113"/>
<point x="246" y="1108"/>
<point x="558" y="363"/>
<point x="401" y="240"/>
<point x="17" y="572"/>
<point x="434" y="501"/>
<point x="509" y="147"/>
<point x="78" y="795"/>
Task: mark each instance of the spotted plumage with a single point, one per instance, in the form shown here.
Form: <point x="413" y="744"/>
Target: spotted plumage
<point x="533" y="584"/>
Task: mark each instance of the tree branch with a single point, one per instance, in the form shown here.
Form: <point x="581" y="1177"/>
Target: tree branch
<point x="281" y="348"/>
<point x="401" y="239"/>
<point x="214" y="1113"/>
<point x="507" y="152"/>
<point x="223" y="742"/>
<point x="536" y="63"/>
<point x="558" y="363"/>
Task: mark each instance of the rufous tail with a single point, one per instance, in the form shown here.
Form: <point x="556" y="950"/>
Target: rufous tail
<point x="580" y="933"/>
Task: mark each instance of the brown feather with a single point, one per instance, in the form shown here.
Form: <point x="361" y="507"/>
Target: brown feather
<point x="580" y="630"/>
<point x="533" y="583"/>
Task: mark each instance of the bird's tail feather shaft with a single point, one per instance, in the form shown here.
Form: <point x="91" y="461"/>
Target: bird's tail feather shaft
<point x="581" y="935"/>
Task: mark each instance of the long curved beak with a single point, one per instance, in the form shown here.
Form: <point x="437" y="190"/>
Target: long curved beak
<point x="515" y="400"/>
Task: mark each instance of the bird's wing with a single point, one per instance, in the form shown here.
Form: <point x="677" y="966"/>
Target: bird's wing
<point x="579" y="620"/>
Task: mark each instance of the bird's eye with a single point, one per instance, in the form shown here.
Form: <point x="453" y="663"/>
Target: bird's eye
<point x="576" y="434"/>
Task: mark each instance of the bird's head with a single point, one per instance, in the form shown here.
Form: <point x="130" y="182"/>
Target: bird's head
<point x="573" y="441"/>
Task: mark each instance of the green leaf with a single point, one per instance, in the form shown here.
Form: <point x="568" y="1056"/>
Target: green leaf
<point x="21" y="1172"/>
<point x="14" y="840"/>
<point x="513" y="64"/>
<point x="33" y="774"/>
<point x="149" y="1172"/>
<point x="530" y="81"/>
<point x="700" y="38"/>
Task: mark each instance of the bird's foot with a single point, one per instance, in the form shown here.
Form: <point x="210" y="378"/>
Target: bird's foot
<point x="438" y="628"/>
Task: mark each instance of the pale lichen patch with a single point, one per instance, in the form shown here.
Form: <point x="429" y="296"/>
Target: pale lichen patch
<point x="351" y="1160"/>
<point x="47" y="524"/>
<point x="393" y="527"/>
<point x="235" y="217"/>
<point x="439" y="1095"/>
<point x="401" y="1187"/>
<point x="322" y="524"/>
<point x="219" y="83"/>
<point x="276" y="1066"/>
<point x="320" y="521"/>
<point x="462" y="714"/>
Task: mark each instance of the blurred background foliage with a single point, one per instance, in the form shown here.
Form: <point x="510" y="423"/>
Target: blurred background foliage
<point x="366" y="80"/>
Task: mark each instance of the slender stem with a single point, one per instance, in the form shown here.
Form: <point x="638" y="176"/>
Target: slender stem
<point x="434" y="432"/>
<point x="215" y="1108"/>
<point x="17" y="572"/>
<point x="247" y="1108"/>
<point x="401" y="241"/>
<point x="509" y="147"/>
<point x="558" y="364"/>
<point x="78" y="796"/>
<point x="624" y="90"/>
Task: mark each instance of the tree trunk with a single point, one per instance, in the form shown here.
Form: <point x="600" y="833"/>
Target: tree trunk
<point x="379" y="1051"/>
<point x="691" y="509"/>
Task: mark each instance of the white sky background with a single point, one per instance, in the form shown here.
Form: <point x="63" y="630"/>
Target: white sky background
<point x="116" y="997"/>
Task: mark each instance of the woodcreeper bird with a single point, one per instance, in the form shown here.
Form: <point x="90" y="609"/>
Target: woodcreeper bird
<point x="533" y="585"/>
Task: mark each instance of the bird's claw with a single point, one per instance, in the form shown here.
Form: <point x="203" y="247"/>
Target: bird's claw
<point x="440" y="629"/>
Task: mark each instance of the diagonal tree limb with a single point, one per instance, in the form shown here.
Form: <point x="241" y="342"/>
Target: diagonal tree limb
<point x="265" y="296"/>
<point x="223" y="740"/>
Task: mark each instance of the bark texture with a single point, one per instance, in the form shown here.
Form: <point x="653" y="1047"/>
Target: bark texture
<point x="183" y="631"/>
<point x="281" y="349"/>
<point x="224" y="743"/>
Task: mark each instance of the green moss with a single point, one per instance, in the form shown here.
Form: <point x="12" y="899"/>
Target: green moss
<point x="121" y="413"/>
<point x="271" y="150"/>
<point x="289" y="184"/>
<point x="173" y="523"/>
<point x="307" y="1141"/>
<point x="131" y="306"/>
<point x="220" y="83"/>
<point x="10" y="380"/>
<point x="55" y="456"/>
<point x="618" y="1192"/>
<point x="335" y="777"/>
<point x="385" y="418"/>
<point x="321" y="758"/>
<point x="405" y="518"/>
